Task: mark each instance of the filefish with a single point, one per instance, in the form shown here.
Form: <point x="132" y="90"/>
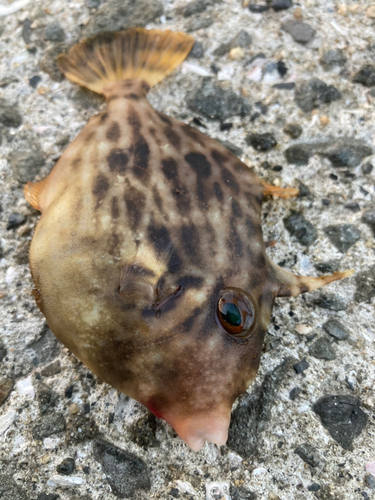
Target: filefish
<point x="148" y="260"/>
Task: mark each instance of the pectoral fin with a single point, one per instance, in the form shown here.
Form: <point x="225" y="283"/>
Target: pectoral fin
<point x="33" y="191"/>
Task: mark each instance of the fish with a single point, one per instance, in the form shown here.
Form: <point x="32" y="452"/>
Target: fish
<point x="148" y="259"/>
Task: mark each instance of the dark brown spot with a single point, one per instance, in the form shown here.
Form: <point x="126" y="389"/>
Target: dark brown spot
<point x="189" y="321"/>
<point x="161" y="241"/>
<point x="199" y="164"/>
<point x="190" y="282"/>
<point x="135" y="202"/>
<point x="90" y="136"/>
<point x="104" y="117"/>
<point x="141" y="157"/>
<point x="173" y="137"/>
<point x="165" y="119"/>
<point x="179" y="191"/>
<point x="169" y="168"/>
<point x="113" y="244"/>
<point x="113" y="133"/>
<point x="117" y="160"/>
<point x="133" y="97"/>
<point x="190" y="241"/>
<point x="202" y="195"/>
<point x="76" y="162"/>
<point x="234" y="240"/>
<point x="260" y="262"/>
<point x="157" y="198"/>
<point x="115" y="211"/>
<point x="236" y="209"/>
<point x="218" y="192"/>
<point x="304" y="288"/>
<point x="252" y="229"/>
<point x="100" y="188"/>
<point x="145" y="86"/>
<point x="127" y="84"/>
<point x="134" y="120"/>
<point x="230" y="180"/>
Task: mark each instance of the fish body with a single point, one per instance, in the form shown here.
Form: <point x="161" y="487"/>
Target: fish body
<point x="148" y="260"/>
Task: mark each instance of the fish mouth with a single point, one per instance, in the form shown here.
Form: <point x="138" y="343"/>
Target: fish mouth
<point x="196" y="430"/>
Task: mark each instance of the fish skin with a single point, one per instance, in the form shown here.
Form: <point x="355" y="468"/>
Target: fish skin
<point x="140" y="201"/>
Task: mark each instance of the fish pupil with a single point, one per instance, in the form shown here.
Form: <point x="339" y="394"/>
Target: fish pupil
<point x="231" y="314"/>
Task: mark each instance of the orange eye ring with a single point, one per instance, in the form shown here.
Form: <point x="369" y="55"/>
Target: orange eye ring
<point x="236" y="312"/>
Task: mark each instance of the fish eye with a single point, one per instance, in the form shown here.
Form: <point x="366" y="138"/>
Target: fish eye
<point x="235" y="312"/>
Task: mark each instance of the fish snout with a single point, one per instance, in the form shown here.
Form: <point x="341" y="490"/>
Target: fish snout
<point x="196" y="430"/>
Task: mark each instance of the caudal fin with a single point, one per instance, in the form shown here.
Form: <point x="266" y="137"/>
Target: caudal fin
<point x="135" y="53"/>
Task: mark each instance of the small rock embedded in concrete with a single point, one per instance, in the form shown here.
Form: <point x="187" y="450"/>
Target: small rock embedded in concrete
<point x="197" y="51"/>
<point x="369" y="218"/>
<point x="27" y="164"/>
<point x="80" y="428"/>
<point x="300" y="31"/>
<point x="6" y="387"/>
<point x="347" y="154"/>
<point x="9" y="115"/>
<point x="15" y="220"/>
<point x="46" y="348"/>
<point x="126" y="473"/>
<point x="313" y="487"/>
<point x="294" y="393"/>
<point x="311" y="94"/>
<point x="261" y="142"/>
<point x="66" y="467"/>
<point x="93" y="4"/>
<point x="366" y="76"/>
<point x="3" y="351"/>
<point x="199" y="23"/>
<point x="48" y="496"/>
<point x="195" y="7"/>
<point x="342" y="417"/>
<point x="301" y="366"/>
<point x="278" y="5"/>
<point x="175" y="493"/>
<point x="54" y="33"/>
<point x="299" y="154"/>
<point x="216" y="103"/>
<point x="302" y="229"/>
<point x="365" y="281"/>
<point x="258" y="9"/>
<point x="328" y="267"/>
<point x="284" y="86"/>
<point x="52" y="369"/>
<point x="26" y="31"/>
<point x="242" y="39"/>
<point x="370" y="481"/>
<point x="331" y="302"/>
<point x="241" y="493"/>
<point x="322" y="349"/>
<point x="342" y="236"/>
<point x="310" y="455"/>
<point x="46" y="397"/>
<point x="49" y="425"/>
<point x="367" y="168"/>
<point x="333" y="58"/>
<point x="34" y="81"/>
<point x="353" y="206"/>
<point x="336" y="329"/>
<point x="143" y="432"/>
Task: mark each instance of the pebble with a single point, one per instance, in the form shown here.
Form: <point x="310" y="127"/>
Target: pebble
<point x="25" y="387"/>
<point x="370" y="12"/>
<point x="299" y="154"/>
<point x="313" y="487"/>
<point x="366" y="76"/>
<point x="302" y="229"/>
<point x="46" y="397"/>
<point x="349" y="153"/>
<point x="66" y="467"/>
<point x="301" y="366"/>
<point x="27" y="164"/>
<point x="333" y="58"/>
<point x="46" y="348"/>
<point x="284" y="86"/>
<point x="9" y="115"/>
<point x="56" y="481"/>
<point x="48" y="425"/>
<point x="143" y="432"/>
<point x="343" y="418"/>
<point x="200" y="23"/>
<point x="300" y="31"/>
<point x="48" y="496"/>
<point x="353" y="206"/>
<point x="93" y="4"/>
<point x="367" y="168"/>
<point x="311" y="94"/>
<point x="34" y="81"/>
<point x="197" y="51"/>
<point x="294" y="393"/>
<point x="52" y="369"/>
<point x="258" y="9"/>
<point x="310" y="455"/>
<point x="175" y="493"/>
<point x="278" y="5"/>
<point x="370" y="481"/>
<point x="293" y="129"/>
<point x="365" y="281"/>
<point x="369" y="219"/>
<point x="54" y="33"/>
<point x="195" y="7"/>
<point x="15" y="220"/>
<point x="6" y="387"/>
<point x="261" y="142"/>
<point x="126" y="473"/>
<point x="342" y="236"/>
<point x="241" y="40"/>
<point x="216" y="103"/>
<point x="322" y="349"/>
<point x="336" y="329"/>
<point x="6" y="421"/>
<point x="330" y="301"/>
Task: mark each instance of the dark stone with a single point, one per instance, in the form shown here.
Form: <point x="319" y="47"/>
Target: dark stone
<point x="283" y="70"/>
<point x="365" y="281"/>
<point x="348" y="154"/>
<point x="370" y="481"/>
<point x="143" y="432"/>
<point x="366" y="76"/>
<point x="48" y="496"/>
<point x="353" y="206"/>
<point x="311" y="94"/>
<point x="200" y="22"/>
<point x="3" y="351"/>
<point x="301" y="366"/>
<point x="9" y="115"/>
<point x="242" y="39"/>
<point x="284" y="86"/>
<point x="299" y="154"/>
<point x="310" y="455"/>
<point x="27" y="164"/>
<point x="342" y="236"/>
<point x="304" y="191"/>
<point x="302" y="229"/>
<point x="66" y="467"/>
<point x="258" y="9"/>
<point x="369" y="218"/>
<point x="115" y="15"/>
<point x="294" y="393"/>
<point x="331" y="302"/>
<point x="34" y="81"/>
<point x="336" y="329"/>
<point x="52" y="369"/>
<point x="81" y="428"/>
<point x="46" y="397"/>
<point x="48" y="425"/>
<point x="197" y="51"/>
<point x="216" y="103"/>
<point x="322" y="349"/>
<point x="367" y="168"/>
<point x="261" y="142"/>
<point x="26" y="31"/>
<point x="278" y="5"/>
<point x="93" y="4"/>
<point x="69" y="391"/>
<point x="54" y="33"/>
<point x="6" y="387"/>
<point x="253" y="412"/>
<point x="46" y="348"/>
<point x="9" y="489"/>
<point x="333" y="58"/>
<point x="195" y="7"/>
<point x="48" y="63"/>
<point x="175" y="493"/>
<point x="15" y="220"/>
<point x="300" y="31"/>
<point x="126" y="473"/>
<point x="313" y="487"/>
<point x="342" y="417"/>
<point x="241" y="493"/>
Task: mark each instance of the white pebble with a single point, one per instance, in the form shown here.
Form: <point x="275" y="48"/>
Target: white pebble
<point x="259" y="471"/>
<point x="189" y="67"/>
<point x="51" y="443"/>
<point x="6" y="420"/>
<point x="55" y="481"/>
<point x="25" y="387"/>
<point x="10" y="275"/>
<point x="303" y="408"/>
